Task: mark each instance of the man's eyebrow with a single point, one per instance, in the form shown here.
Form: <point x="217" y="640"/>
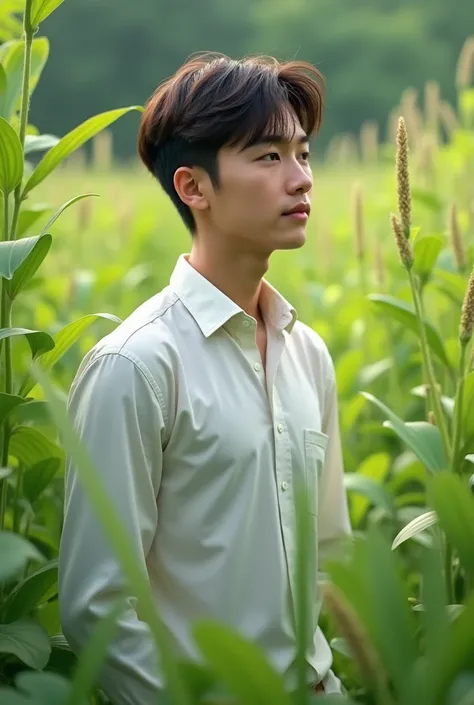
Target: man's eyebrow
<point x="274" y="139"/>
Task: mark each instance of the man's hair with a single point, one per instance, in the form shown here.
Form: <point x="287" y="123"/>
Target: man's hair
<point x="213" y="101"/>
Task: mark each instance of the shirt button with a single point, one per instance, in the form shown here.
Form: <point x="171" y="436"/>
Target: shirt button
<point x="245" y="323"/>
<point x="280" y="428"/>
<point x="284" y="485"/>
<point x="257" y="367"/>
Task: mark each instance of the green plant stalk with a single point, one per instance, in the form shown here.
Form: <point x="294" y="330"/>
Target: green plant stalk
<point x="429" y="369"/>
<point x="25" y="105"/>
<point x="458" y="410"/>
<point x="5" y="323"/>
<point x="16" y="508"/>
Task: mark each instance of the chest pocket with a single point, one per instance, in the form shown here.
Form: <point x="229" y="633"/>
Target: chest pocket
<point x="315" y="443"/>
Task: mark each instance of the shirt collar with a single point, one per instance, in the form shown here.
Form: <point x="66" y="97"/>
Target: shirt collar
<point x="211" y="308"/>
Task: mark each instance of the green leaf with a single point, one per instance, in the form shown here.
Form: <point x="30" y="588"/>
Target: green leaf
<point x="29" y="216"/>
<point x="8" y="402"/>
<point x="453" y="285"/>
<point x="41" y="9"/>
<point x="28" y="593"/>
<point x="421" y="437"/>
<point x="426" y="250"/>
<point x="404" y="314"/>
<point x="30" y="446"/>
<point x="39" y="476"/>
<point x="373" y="492"/>
<point x="39" y="342"/>
<point x="35" y="411"/>
<point x="27" y="641"/>
<point x="393" y="619"/>
<point x="39" y="143"/>
<point x="11" y="158"/>
<point x="30" y="265"/>
<point x="419" y="524"/>
<point x="453" y="659"/>
<point x="63" y="340"/>
<point x="5" y="472"/>
<point x="15" y="552"/>
<point x="72" y="141"/>
<point x="239" y="665"/>
<point x="430" y="199"/>
<point x="63" y="208"/>
<point x="44" y="688"/>
<point x="3" y="90"/>
<point x="8" y="696"/>
<point x="468" y="406"/>
<point x="13" y="253"/>
<point x="94" y="653"/>
<point x="454" y="505"/>
<point x="13" y="61"/>
<point x="375" y="468"/>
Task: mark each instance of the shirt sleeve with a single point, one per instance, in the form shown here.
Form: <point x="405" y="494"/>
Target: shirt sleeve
<point x="115" y="408"/>
<point x="334" y="527"/>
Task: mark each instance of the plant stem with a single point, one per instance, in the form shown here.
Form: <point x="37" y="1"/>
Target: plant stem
<point x="458" y="411"/>
<point x="5" y="439"/>
<point x="448" y="568"/>
<point x="25" y="104"/>
<point x="18" y="489"/>
<point x="429" y="369"/>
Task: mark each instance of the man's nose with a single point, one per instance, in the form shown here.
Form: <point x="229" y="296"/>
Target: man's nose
<point x="300" y="181"/>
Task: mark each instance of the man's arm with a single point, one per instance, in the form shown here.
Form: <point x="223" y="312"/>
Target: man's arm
<point x="115" y="408"/>
<point x="334" y="527"/>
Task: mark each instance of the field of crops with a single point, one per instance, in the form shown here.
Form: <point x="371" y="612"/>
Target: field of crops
<point x="400" y="611"/>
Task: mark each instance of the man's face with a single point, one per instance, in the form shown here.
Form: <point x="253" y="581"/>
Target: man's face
<point x="257" y="186"/>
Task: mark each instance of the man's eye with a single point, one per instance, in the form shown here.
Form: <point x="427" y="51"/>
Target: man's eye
<point x="306" y="156"/>
<point x="271" y="154"/>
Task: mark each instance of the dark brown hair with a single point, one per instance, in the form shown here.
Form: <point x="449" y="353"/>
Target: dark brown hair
<point x="213" y="101"/>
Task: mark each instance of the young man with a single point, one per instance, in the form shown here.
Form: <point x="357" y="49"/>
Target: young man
<point x="209" y="404"/>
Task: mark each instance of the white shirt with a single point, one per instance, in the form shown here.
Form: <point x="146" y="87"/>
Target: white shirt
<point x="199" y="450"/>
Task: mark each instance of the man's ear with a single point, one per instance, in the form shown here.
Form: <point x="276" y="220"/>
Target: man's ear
<point x="190" y="183"/>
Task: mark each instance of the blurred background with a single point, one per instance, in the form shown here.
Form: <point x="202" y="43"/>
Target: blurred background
<point x="109" y="53"/>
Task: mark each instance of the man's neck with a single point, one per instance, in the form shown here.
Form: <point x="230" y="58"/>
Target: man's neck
<point x="238" y="276"/>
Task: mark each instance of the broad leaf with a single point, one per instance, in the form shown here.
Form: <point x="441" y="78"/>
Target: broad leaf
<point x="8" y="402"/>
<point x="15" y="552"/>
<point x="29" y="216"/>
<point x="373" y="492"/>
<point x="375" y="468"/>
<point x="426" y="250"/>
<point x="37" y="478"/>
<point x="39" y="143"/>
<point x="11" y="158"/>
<point x="63" y="340"/>
<point x="44" y="688"/>
<point x="404" y="314"/>
<point x="468" y="406"/>
<point x="240" y="665"/>
<point x="39" y="342"/>
<point x="41" y="9"/>
<point x="30" y="446"/>
<point x="13" y="61"/>
<point x="28" y="593"/>
<point x="27" y="641"/>
<point x="30" y="265"/>
<point x="415" y="527"/>
<point x="454" y="505"/>
<point x="3" y="90"/>
<point x="453" y="285"/>
<point x="72" y="141"/>
<point x="430" y="199"/>
<point x="63" y="208"/>
<point x="14" y="253"/>
<point x="421" y="437"/>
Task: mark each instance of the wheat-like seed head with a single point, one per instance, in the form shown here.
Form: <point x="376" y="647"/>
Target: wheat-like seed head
<point x="404" y="246"/>
<point x="403" y="178"/>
